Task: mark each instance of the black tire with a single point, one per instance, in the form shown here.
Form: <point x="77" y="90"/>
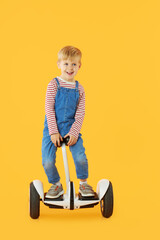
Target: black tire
<point x="34" y="202"/>
<point x="106" y="204"/>
<point x="71" y="196"/>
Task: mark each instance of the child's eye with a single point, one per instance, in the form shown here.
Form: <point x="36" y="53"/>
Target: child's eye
<point x="66" y="64"/>
<point x="74" y="64"/>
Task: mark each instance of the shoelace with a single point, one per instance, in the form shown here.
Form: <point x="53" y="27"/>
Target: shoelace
<point x="54" y="187"/>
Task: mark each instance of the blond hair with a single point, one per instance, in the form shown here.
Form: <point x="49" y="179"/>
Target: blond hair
<point x="69" y="52"/>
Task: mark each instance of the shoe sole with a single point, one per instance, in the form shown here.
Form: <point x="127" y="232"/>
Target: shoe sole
<point x="86" y="195"/>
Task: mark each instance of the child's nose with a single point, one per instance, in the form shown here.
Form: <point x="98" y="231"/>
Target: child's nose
<point x="70" y="67"/>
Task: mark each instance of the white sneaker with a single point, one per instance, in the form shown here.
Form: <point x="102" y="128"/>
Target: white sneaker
<point x="86" y="190"/>
<point x="55" y="191"/>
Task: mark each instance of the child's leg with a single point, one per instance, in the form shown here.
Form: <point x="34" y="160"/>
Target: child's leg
<point x="81" y="163"/>
<point x="80" y="159"/>
<point x="49" y="159"/>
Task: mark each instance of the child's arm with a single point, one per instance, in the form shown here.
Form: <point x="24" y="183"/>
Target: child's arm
<point x="49" y="107"/>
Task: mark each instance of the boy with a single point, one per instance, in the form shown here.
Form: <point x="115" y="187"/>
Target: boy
<point x="65" y="110"/>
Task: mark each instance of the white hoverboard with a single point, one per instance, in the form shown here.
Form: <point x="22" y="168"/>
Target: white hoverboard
<point x="71" y="200"/>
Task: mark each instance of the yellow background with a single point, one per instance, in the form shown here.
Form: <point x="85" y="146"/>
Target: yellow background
<point x="121" y="131"/>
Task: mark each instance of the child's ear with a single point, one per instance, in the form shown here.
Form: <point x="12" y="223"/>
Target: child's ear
<point x="80" y="65"/>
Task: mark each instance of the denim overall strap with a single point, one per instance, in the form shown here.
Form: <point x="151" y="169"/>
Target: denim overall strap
<point x="76" y="86"/>
<point x="58" y="83"/>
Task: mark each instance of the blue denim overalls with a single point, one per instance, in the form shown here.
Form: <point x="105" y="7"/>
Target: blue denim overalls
<point x="66" y="101"/>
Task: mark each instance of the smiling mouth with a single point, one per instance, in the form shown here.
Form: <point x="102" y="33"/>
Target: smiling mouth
<point x="70" y="73"/>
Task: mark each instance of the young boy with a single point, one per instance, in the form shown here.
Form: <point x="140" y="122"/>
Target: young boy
<point x="65" y="110"/>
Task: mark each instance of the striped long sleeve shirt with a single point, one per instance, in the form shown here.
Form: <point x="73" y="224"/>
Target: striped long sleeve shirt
<point x="50" y="110"/>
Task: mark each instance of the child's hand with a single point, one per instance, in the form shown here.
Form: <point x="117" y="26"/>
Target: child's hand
<point x="55" y="138"/>
<point x="72" y="139"/>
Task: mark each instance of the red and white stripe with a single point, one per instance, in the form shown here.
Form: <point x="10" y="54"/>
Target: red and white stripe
<point x="50" y="110"/>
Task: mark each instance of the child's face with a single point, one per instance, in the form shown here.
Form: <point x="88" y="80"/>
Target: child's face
<point x="69" y="68"/>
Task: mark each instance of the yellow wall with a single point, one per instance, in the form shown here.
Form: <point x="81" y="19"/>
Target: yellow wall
<point x="121" y="131"/>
